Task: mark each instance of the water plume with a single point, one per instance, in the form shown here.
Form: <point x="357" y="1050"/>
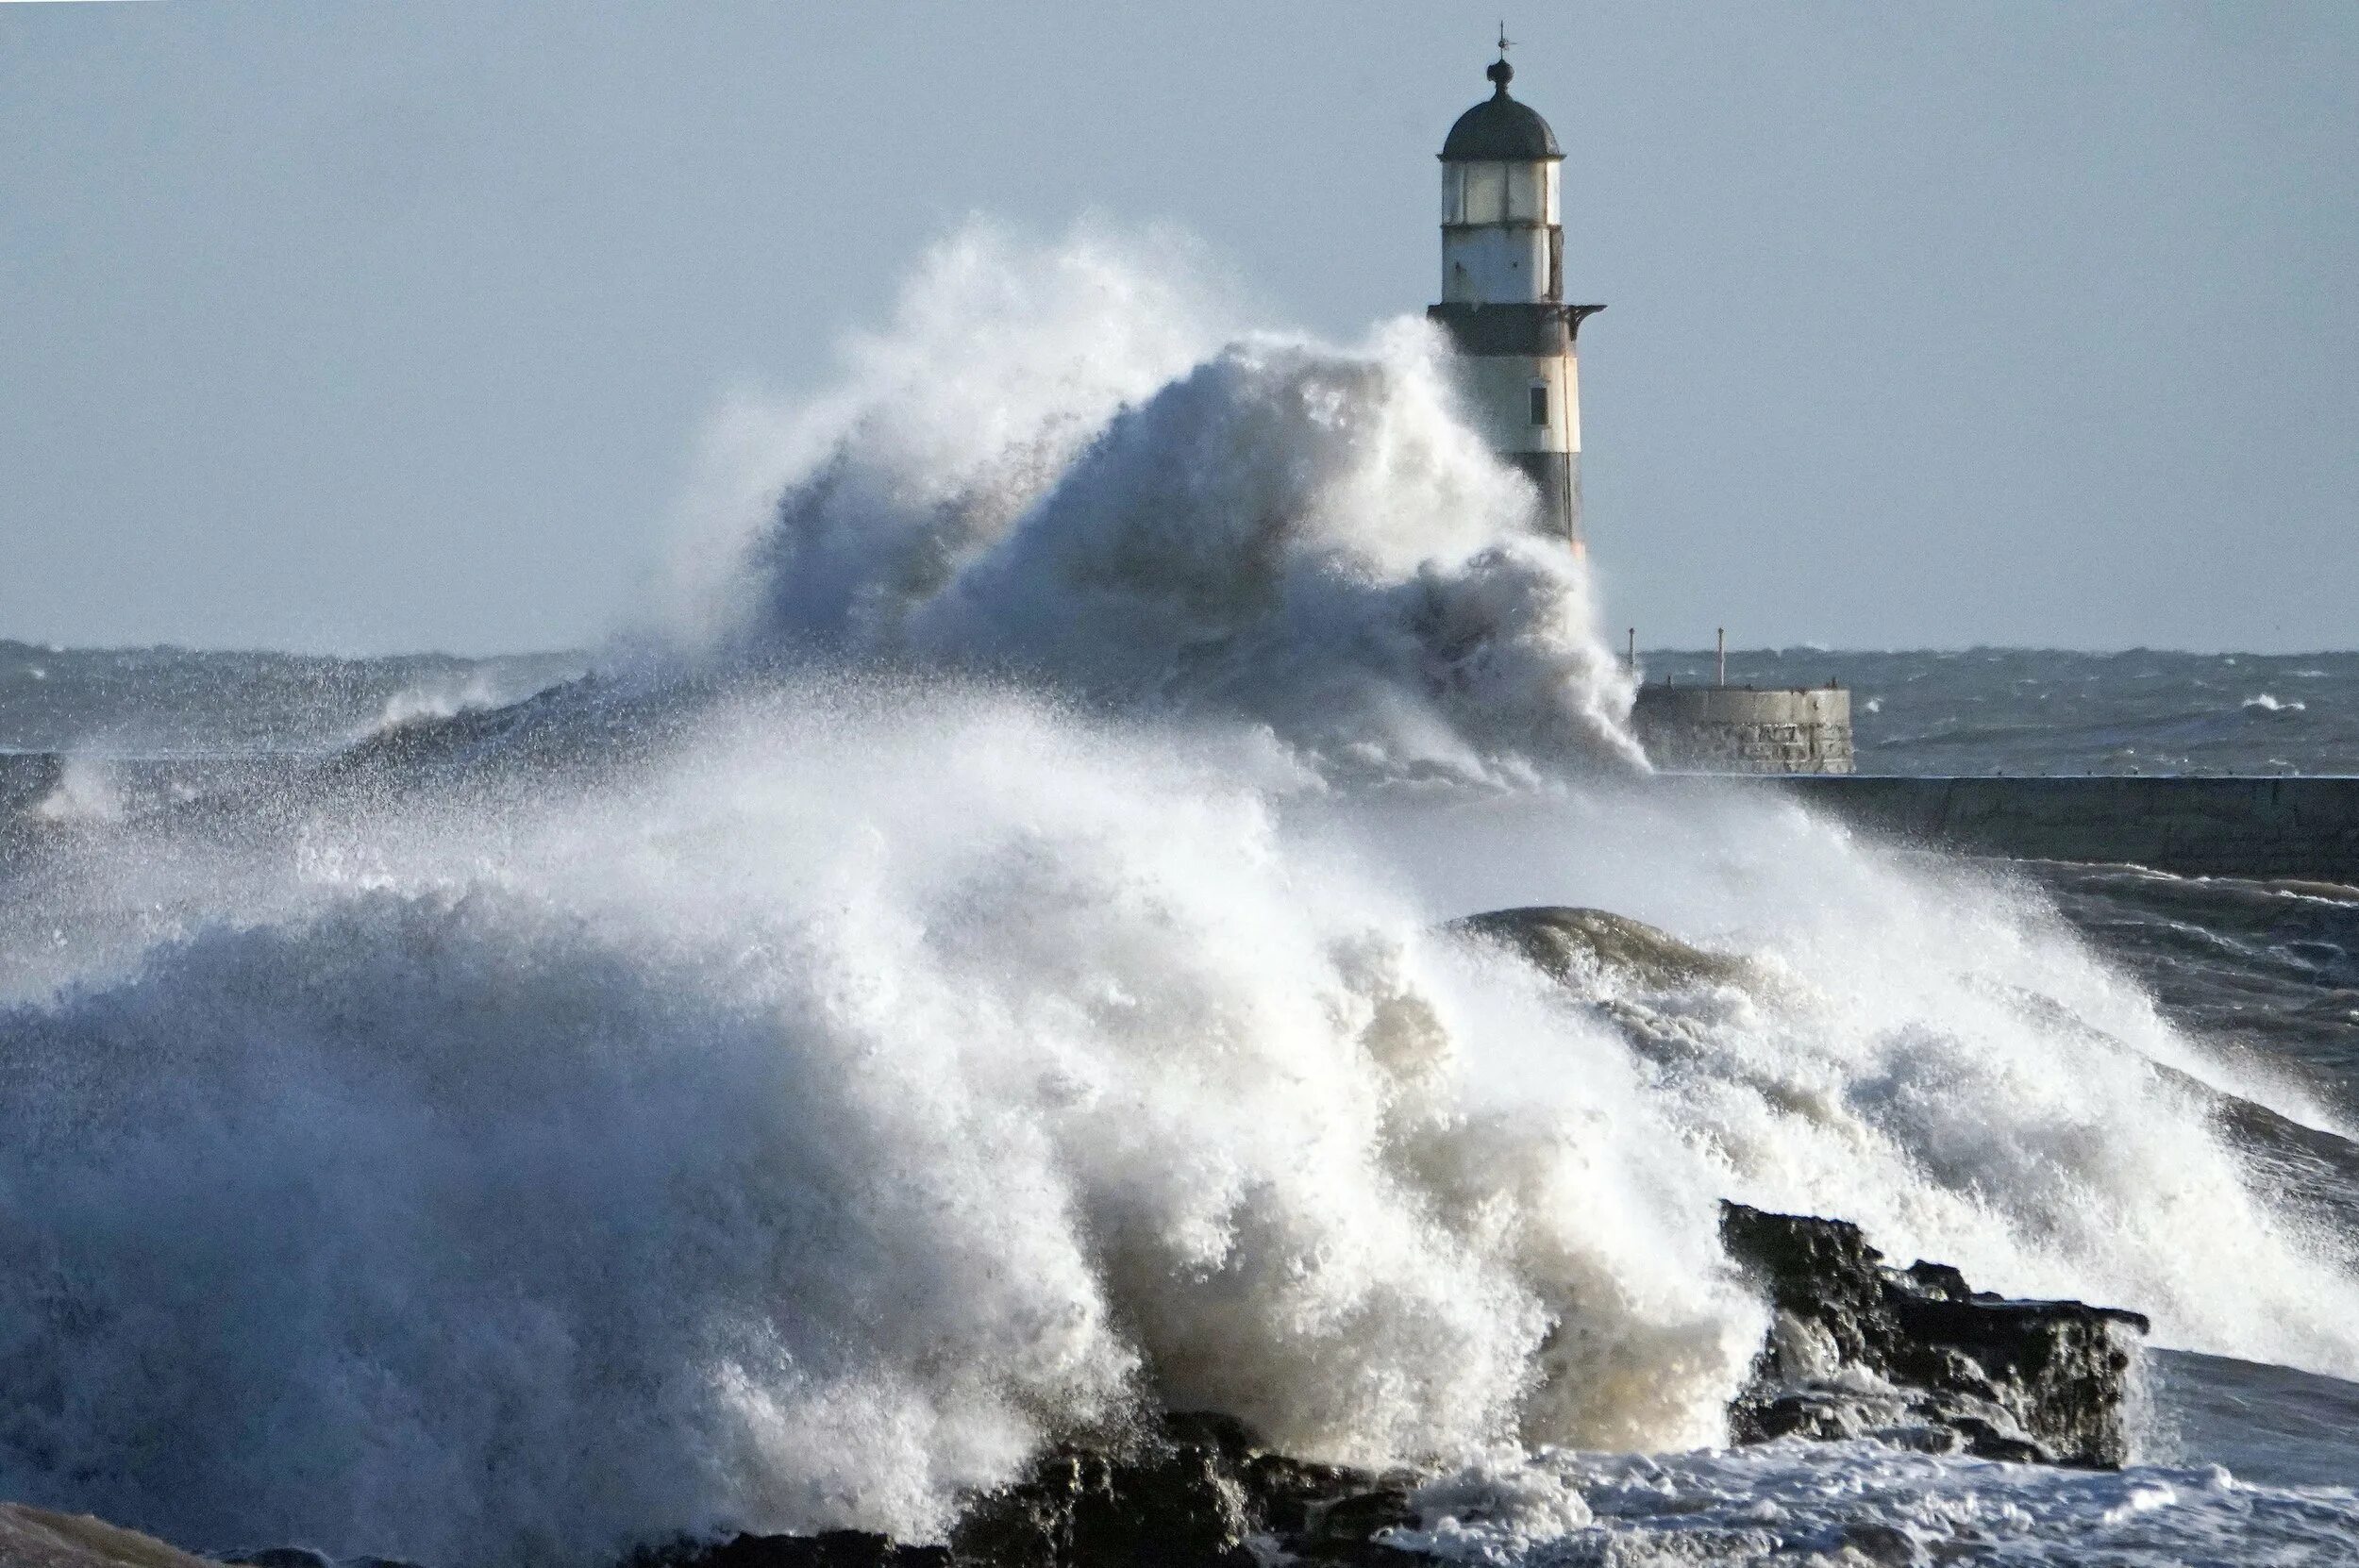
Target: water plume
<point x="1058" y="464"/>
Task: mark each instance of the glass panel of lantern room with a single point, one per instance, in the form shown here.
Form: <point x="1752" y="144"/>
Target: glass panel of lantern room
<point x="1526" y="184"/>
<point x="1554" y="213"/>
<point x="1486" y="192"/>
<point x="1453" y="191"/>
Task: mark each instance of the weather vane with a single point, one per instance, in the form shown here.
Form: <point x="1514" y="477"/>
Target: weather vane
<point x="1504" y="45"/>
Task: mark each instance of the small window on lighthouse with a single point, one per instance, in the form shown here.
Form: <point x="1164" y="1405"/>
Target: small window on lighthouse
<point x="1540" y="403"/>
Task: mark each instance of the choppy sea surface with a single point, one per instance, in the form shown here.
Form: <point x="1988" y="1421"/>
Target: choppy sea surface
<point x="167" y="702"/>
<point x="981" y="962"/>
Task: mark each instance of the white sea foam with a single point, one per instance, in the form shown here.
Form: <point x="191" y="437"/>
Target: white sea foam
<point x="2269" y="704"/>
<point x="86" y="791"/>
<point x="1857" y="1503"/>
<point x="464" y="692"/>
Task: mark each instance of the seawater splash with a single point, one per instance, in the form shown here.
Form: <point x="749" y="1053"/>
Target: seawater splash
<point x="1055" y="465"/>
<point x="440" y="698"/>
<point x="803" y="1127"/>
<point x="796" y="1137"/>
<point x="85" y="791"/>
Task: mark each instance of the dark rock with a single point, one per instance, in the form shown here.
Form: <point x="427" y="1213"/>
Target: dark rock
<point x="1192" y="1492"/>
<point x="1885" y="1544"/>
<point x="2040" y="1381"/>
<point x="829" y="1549"/>
<point x="36" y="1538"/>
<point x="1559" y="942"/>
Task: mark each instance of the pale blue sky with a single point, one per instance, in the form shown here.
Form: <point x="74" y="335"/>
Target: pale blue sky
<point x="382" y="326"/>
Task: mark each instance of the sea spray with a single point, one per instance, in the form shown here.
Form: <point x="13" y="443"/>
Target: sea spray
<point x="1926" y="1050"/>
<point x="797" y="1138"/>
<point x="1003" y="358"/>
<point x="801" y="1129"/>
<point x="1052" y="467"/>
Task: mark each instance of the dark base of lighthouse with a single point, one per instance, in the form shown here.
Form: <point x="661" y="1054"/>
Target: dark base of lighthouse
<point x="1557" y="476"/>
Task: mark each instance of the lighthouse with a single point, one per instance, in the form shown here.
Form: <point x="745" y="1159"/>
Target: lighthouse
<point x="1503" y="292"/>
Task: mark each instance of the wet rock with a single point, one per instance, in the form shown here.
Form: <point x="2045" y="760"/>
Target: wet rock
<point x="829" y="1549"/>
<point x="35" y="1538"/>
<point x="1562" y="941"/>
<point x="1197" y="1490"/>
<point x="1201" y="1490"/>
<point x="305" y="1557"/>
<point x="1917" y="1356"/>
<point x="1173" y="1502"/>
<point x="1885" y="1544"/>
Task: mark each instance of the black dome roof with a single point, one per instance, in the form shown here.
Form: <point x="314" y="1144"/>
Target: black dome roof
<point x="1499" y="128"/>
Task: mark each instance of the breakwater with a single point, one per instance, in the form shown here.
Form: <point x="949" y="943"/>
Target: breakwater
<point x="2293" y="827"/>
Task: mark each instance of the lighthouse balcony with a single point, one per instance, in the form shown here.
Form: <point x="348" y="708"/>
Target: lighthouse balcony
<point x="1534" y="328"/>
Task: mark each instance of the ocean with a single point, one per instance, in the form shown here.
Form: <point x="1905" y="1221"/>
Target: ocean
<point x="978" y="964"/>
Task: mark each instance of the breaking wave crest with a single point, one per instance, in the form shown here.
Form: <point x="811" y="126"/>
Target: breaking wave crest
<point x="804" y="1131"/>
<point x="1057" y="464"/>
<point x="793" y="1138"/>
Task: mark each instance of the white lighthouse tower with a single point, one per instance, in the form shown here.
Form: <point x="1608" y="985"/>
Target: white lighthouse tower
<point x="1503" y="292"/>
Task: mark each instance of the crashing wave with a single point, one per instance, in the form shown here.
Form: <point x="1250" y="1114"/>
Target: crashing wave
<point x="1050" y="469"/>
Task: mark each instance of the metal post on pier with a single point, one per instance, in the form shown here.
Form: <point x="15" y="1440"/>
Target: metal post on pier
<point x="1723" y="677"/>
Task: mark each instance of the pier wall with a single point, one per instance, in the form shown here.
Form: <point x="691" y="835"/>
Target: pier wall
<point x="1741" y="729"/>
<point x="2301" y="828"/>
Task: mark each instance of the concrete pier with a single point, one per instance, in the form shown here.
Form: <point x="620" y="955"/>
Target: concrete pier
<point x="2292" y="828"/>
<point x="1740" y="729"/>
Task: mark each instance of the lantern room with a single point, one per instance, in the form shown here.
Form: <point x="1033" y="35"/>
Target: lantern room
<point x="1502" y="239"/>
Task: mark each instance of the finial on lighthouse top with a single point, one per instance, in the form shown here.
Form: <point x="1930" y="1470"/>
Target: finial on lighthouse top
<point x="1500" y="129"/>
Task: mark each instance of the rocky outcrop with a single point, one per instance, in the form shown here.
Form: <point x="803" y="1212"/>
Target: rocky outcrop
<point x="1916" y="1356"/>
<point x="830" y="1549"/>
<point x="35" y="1538"/>
<point x="1195" y="1492"/>
<point x="1199" y="1491"/>
<point x="1561" y="940"/>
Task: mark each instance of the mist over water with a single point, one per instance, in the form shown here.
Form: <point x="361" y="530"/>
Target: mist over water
<point x="1010" y="991"/>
